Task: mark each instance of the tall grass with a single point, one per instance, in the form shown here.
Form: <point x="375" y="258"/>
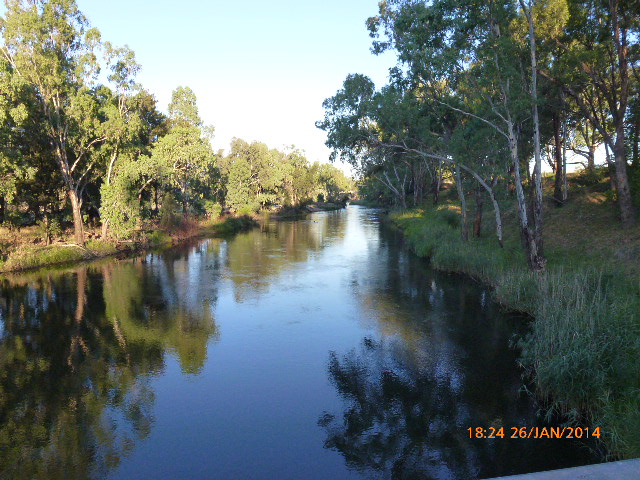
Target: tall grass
<point x="32" y="257"/>
<point x="584" y="351"/>
<point x="583" y="347"/>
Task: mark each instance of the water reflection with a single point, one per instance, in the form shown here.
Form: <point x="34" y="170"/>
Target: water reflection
<point x="438" y="364"/>
<point x="254" y="261"/>
<point x="77" y="352"/>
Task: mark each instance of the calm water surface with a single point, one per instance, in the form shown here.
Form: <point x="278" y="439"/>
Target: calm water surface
<point x="312" y="349"/>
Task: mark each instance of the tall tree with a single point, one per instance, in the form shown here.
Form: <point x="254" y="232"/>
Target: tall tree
<point x="185" y="153"/>
<point x="49" y="45"/>
<point x="602" y="57"/>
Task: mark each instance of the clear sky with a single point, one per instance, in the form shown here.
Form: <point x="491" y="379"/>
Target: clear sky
<point x="260" y="69"/>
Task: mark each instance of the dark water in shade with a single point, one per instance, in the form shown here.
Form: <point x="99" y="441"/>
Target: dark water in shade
<point x="314" y="349"/>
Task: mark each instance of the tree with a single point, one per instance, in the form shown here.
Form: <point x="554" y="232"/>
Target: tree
<point x="185" y="153"/>
<point x="473" y="52"/>
<point x="601" y="58"/>
<point x="49" y="46"/>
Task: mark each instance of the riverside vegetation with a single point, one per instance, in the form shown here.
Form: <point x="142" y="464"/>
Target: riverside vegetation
<point x="583" y="348"/>
<point x="482" y="96"/>
<point x="90" y="153"/>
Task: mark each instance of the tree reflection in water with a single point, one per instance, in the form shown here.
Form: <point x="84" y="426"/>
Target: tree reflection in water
<point x="77" y="351"/>
<point x="408" y="419"/>
<point x="399" y="419"/>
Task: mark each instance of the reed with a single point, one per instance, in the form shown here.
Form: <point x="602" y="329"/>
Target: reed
<point x="582" y="350"/>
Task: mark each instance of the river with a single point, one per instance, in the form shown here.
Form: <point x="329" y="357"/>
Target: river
<point x="309" y="349"/>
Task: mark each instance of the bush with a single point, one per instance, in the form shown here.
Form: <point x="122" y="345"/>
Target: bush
<point x="245" y="210"/>
<point x="213" y="209"/>
<point x="232" y="225"/>
<point x="169" y="219"/>
<point x="158" y="238"/>
<point x="49" y="229"/>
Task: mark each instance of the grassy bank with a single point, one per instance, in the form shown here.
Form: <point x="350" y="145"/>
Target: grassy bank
<point x="23" y="251"/>
<point x="583" y="347"/>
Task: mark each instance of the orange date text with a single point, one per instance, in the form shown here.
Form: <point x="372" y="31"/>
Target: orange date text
<point x="534" y="432"/>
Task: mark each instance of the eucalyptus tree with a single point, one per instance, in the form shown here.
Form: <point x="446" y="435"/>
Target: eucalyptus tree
<point x="130" y="172"/>
<point x="184" y="154"/>
<point x="456" y="42"/>
<point x="354" y="136"/>
<point x="332" y="181"/>
<point x="49" y="45"/>
<point x="122" y="125"/>
<point x="601" y="60"/>
<point x="400" y="136"/>
<point x="13" y="117"/>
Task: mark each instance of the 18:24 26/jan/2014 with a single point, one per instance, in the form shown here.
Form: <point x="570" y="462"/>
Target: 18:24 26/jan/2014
<point x="534" y="432"/>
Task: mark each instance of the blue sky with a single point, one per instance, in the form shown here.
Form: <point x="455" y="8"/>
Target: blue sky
<point x="260" y="69"/>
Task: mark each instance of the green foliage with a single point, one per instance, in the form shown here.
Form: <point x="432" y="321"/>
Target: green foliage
<point x="169" y="217"/>
<point x="213" y="208"/>
<point x="583" y="349"/>
<point x="256" y="177"/>
<point x="49" y="229"/>
<point x="183" y="110"/>
<point x="233" y="225"/>
<point x="119" y="207"/>
<point x="158" y="238"/>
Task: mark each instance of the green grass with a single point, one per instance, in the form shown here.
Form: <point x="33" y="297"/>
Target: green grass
<point x="231" y="225"/>
<point x="159" y="238"/>
<point x="26" y="258"/>
<point x="583" y="347"/>
<point x="100" y="248"/>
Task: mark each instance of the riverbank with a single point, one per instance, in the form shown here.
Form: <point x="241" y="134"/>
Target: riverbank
<point x="305" y="209"/>
<point x="23" y="251"/>
<point x="583" y="348"/>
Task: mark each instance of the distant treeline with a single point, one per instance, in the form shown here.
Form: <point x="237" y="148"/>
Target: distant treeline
<point x="81" y="141"/>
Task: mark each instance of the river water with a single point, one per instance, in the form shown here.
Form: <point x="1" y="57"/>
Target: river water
<point x="310" y="349"/>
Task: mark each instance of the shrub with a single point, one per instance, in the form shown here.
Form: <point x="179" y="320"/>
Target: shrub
<point x="169" y="219"/>
<point x="213" y="208"/>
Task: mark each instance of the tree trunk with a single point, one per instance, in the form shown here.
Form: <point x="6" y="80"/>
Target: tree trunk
<point x="3" y="207"/>
<point x="612" y="170"/>
<point x="477" y="224"/>
<point x="591" y="159"/>
<point x="155" y="198"/>
<point x="496" y="210"/>
<point x="558" y="166"/>
<point x="78" y="227"/>
<point x="565" y="181"/>
<point x="535" y="258"/>
<point x="436" y="184"/>
<point x="104" y="229"/>
<point x="635" y="159"/>
<point x="533" y="230"/>
<point x="463" y="205"/>
<point x="627" y="212"/>
<point x="47" y="230"/>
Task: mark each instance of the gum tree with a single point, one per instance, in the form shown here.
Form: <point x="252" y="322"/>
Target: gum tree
<point x="49" y="45"/>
